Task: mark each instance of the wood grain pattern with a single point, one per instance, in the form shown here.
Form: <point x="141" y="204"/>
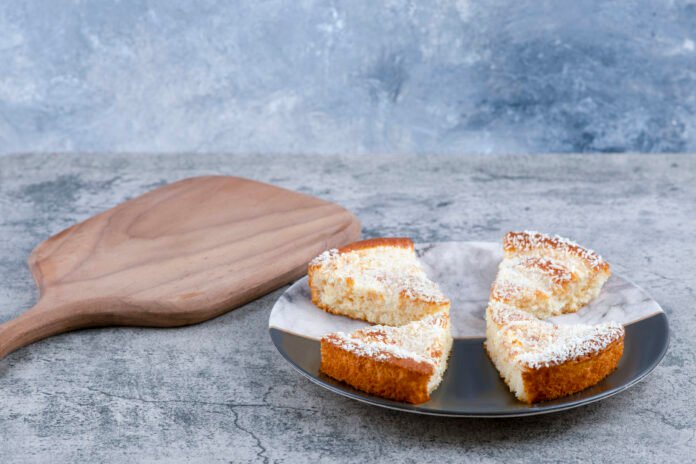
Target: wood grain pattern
<point x="178" y="255"/>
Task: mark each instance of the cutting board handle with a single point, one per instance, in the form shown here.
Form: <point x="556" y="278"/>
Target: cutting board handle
<point x="181" y="254"/>
<point x="46" y="318"/>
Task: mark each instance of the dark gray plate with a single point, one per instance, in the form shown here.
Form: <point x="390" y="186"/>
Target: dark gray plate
<point x="471" y="386"/>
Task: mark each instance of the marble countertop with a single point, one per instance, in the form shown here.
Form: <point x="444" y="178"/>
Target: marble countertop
<point x="219" y="391"/>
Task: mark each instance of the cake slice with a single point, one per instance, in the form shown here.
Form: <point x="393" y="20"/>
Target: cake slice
<point x="378" y="280"/>
<point x="541" y="361"/>
<point x="542" y="276"/>
<point x="400" y="363"/>
<point x="548" y="275"/>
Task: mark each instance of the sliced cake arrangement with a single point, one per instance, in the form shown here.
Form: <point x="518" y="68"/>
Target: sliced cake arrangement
<point x="542" y="276"/>
<point x="381" y="281"/>
<point x="404" y="358"/>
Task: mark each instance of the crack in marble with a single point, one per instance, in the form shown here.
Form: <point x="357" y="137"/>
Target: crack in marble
<point x="666" y="420"/>
<point x="262" y="449"/>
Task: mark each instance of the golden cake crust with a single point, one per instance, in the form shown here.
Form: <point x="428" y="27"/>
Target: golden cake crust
<point x="552" y="382"/>
<point x="397" y="242"/>
<point x="572" y="376"/>
<point x="393" y="378"/>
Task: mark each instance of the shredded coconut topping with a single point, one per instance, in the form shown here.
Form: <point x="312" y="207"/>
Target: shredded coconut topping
<point x="379" y="351"/>
<point x="530" y="240"/>
<point x="533" y="280"/>
<point x="420" y="341"/>
<point x="504" y="314"/>
<point x="540" y="344"/>
<point x="556" y="272"/>
<point x="393" y="268"/>
<point x="325" y="257"/>
<point x="505" y="290"/>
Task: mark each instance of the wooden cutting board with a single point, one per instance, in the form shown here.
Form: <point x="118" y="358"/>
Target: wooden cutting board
<point x="178" y="255"/>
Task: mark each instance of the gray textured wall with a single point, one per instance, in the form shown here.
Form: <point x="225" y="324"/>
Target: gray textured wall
<point x="347" y="76"/>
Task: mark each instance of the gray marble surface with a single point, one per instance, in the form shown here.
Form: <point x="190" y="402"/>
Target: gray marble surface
<point x="347" y="76"/>
<point x="219" y="391"/>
